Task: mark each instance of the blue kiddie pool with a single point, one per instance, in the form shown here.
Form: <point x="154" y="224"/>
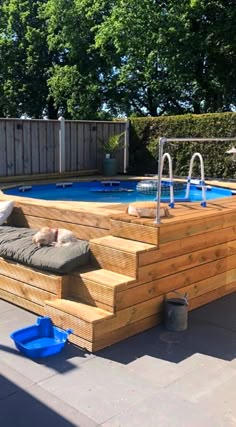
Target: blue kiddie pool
<point x="41" y="339"/>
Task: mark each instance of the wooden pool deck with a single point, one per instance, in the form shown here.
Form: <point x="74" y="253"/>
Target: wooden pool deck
<point x="135" y="264"/>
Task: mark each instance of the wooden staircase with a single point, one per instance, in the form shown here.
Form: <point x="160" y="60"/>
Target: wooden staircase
<point x="89" y="306"/>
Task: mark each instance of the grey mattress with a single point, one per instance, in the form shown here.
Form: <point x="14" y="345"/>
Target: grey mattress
<point x="16" y="244"/>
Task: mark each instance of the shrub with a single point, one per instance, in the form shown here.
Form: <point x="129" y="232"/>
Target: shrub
<point x="146" y="131"/>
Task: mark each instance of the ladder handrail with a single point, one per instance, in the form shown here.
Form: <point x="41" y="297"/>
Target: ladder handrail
<point x="202" y="182"/>
<point x="168" y="157"/>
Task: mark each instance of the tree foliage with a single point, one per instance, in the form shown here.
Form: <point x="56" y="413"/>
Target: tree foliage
<point x="98" y="58"/>
<point x="24" y="59"/>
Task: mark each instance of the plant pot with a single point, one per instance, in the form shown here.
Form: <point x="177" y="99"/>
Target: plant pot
<point x="110" y="167"/>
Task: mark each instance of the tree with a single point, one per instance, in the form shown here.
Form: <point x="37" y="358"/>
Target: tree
<point x="172" y="55"/>
<point x="78" y="76"/>
<point x="25" y="60"/>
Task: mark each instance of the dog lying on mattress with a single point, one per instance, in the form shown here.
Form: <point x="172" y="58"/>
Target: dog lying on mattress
<point x="47" y="236"/>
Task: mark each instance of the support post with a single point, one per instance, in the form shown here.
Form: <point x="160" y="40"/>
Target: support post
<point x="158" y="196"/>
<point x="126" y="147"/>
<point x="62" y="148"/>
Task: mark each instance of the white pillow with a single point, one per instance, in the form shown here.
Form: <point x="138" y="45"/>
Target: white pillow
<point x="5" y="210"/>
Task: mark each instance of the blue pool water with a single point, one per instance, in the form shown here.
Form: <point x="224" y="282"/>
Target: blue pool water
<point x="95" y="191"/>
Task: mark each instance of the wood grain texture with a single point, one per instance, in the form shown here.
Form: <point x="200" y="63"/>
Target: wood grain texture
<point x="138" y="232"/>
<point x="45" y="281"/>
<point x="114" y="259"/>
<point x="22" y="302"/>
<point x="25" y="291"/>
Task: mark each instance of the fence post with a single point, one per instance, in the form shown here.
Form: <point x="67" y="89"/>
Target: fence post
<point x="62" y="160"/>
<point x="126" y="147"/>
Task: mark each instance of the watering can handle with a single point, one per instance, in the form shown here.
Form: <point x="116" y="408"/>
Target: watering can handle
<point x="182" y="296"/>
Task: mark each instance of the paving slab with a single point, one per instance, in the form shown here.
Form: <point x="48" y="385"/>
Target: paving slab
<point x="221" y="401"/>
<point x="220" y="312"/>
<point x="164" y="410"/>
<point x="38" y="369"/>
<point x="201" y="382"/>
<point x="161" y="372"/>
<point x="36" y="407"/>
<point x="99" y="388"/>
<point x="153" y="343"/>
<point x="10" y="380"/>
<point x="206" y="338"/>
<point x="5" y="306"/>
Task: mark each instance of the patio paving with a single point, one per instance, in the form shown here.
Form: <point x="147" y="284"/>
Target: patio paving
<point x="155" y="379"/>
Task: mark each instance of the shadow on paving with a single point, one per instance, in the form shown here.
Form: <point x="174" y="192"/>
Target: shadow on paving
<point x="211" y="331"/>
<point x="58" y="362"/>
<point x="19" y="408"/>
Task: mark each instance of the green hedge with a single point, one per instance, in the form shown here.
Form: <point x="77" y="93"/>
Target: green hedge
<point x="146" y="131"/>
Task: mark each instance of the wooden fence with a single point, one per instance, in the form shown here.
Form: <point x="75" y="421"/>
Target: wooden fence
<point x="29" y="147"/>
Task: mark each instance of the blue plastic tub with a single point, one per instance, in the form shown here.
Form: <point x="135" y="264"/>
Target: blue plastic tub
<point x="40" y="340"/>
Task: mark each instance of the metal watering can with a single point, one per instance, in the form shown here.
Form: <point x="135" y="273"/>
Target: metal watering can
<point x="176" y="312"/>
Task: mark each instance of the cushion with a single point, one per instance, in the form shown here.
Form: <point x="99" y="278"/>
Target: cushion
<point x="5" y="210"/>
<point x="16" y="244"/>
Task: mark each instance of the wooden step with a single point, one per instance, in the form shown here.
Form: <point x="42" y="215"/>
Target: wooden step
<point x="135" y="230"/>
<point x="97" y="287"/>
<point x="75" y="315"/>
<point x="118" y="254"/>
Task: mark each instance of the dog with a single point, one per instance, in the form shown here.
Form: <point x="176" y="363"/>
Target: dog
<point x="47" y="236"/>
<point x="147" y="209"/>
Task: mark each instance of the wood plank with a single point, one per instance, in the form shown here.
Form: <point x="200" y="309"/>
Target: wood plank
<point x="50" y="146"/>
<point x="19" y="149"/>
<point x="3" y="149"/>
<point x="186" y="245"/>
<point x="93" y="145"/>
<point x="68" y="146"/>
<point x="127" y="331"/>
<point x="141" y="233"/>
<point x="113" y="259"/>
<point x="10" y="148"/>
<point x="100" y="154"/>
<point x="155" y="305"/>
<point x="92" y="293"/>
<point x="82" y="232"/>
<point x="78" y="309"/>
<point x="42" y="148"/>
<point x="107" y="278"/>
<point x="186" y="261"/>
<point x="64" y="320"/>
<point x="22" y="302"/>
<point x="45" y="281"/>
<point x="134" y="293"/>
<point x="212" y="296"/>
<point x="74" y="147"/>
<point x="87" y="148"/>
<point x="185" y="228"/>
<point x="80" y="342"/>
<point x="23" y="290"/>
<point x="56" y="126"/>
<point x="64" y="213"/>
<point x="35" y="148"/>
<point x="203" y="287"/>
<point x="27" y="164"/>
<point x="81" y="148"/>
<point x="123" y="244"/>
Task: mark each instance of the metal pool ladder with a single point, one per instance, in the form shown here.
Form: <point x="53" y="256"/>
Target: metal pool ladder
<point x="167" y="155"/>
<point x="202" y="181"/>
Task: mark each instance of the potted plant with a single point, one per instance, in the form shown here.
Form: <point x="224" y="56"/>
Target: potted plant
<point x="113" y="144"/>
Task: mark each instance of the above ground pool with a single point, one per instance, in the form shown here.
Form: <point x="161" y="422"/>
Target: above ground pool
<point x="110" y="192"/>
